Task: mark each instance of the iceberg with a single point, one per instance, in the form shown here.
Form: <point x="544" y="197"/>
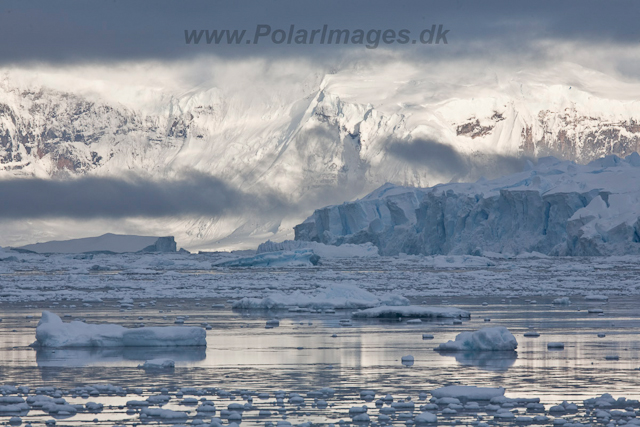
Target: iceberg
<point x="53" y="332"/>
<point x="335" y="296"/>
<point x="296" y="258"/>
<point x="323" y="251"/>
<point x="555" y="207"/>
<point x="486" y="339"/>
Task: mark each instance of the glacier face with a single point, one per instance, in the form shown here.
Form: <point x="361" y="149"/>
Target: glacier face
<point x="555" y="207"/>
<point x="316" y="136"/>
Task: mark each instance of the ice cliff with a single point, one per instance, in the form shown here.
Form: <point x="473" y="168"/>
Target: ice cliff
<point x="554" y="207"/>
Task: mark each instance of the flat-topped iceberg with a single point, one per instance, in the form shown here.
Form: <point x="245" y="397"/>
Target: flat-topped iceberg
<point x="411" y="311"/>
<point x="53" y="332"/>
<point x="334" y="296"/>
<point x="554" y="208"/>
<point x="486" y="339"/>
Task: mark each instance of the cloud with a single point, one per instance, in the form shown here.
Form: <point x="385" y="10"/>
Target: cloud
<point x="100" y="197"/>
<point x="445" y="160"/>
<point x="75" y="31"/>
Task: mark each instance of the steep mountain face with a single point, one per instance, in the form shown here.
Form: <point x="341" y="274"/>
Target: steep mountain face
<point x="317" y="140"/>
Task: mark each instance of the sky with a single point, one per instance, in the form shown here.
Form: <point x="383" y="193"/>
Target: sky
<point x="124" y="44"/>
<point x="79" y="31"/>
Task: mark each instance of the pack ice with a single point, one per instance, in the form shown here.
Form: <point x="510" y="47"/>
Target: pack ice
<point x="486" y="339"/>
<point x="53" y="332"/>
<point x="554" y="207"/>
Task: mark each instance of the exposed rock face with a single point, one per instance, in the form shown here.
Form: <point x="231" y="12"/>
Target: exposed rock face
<point x="557" y="208"/>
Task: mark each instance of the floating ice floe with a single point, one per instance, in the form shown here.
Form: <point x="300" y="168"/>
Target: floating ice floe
<point x="412" y="311"/>
<point x="334" y="296"/>
<point x="158" y="364"/>
<point x="562" y="301"/>
<point x="53" y="332"/>
<point x="486" y="339"/>
<point x="468" y="392"/>
<point x="426" y="417"/>
<point x="296" y="258"/>
<point x="555" y="345"/>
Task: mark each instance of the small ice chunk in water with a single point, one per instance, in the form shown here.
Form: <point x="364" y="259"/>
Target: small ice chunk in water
<point x="414" y="321"/>
<point x="407" y="360"/>
<point x="486" y="339"/>
<point x="272" y="323"/>
<point x="467" y="392"/>
<point x="426" y="417"/>
<point x="555" y="345"/>
<point x="561" y="301"/>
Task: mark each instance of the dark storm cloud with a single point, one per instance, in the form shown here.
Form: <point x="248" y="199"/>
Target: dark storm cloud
<point x="97" y="197"/>
<point x="85" y="31"/>
<point x="437" y="157"/>
<point x="446" y="160"/>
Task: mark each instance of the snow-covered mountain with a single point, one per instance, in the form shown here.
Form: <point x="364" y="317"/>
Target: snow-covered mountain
<point x="315" y="137"/>
<point x="556" y="208"/>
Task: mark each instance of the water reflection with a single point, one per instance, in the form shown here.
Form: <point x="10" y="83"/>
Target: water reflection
<point x="487" y="360"/>
<point x="76" y="357"/>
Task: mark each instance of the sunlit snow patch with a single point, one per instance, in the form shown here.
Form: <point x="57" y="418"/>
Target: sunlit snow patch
<point x="53" y="332"/>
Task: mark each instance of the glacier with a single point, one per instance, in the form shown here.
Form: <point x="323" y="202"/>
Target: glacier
<point x="554" y="207"/>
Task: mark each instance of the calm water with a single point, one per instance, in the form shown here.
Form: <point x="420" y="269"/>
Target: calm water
<point x="301" y="355"/>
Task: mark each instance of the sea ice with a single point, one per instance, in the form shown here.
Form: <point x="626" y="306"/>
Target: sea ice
<point x="486" y="339"/>
<point x="158" y="364"/>
<point x="296" y="258"/>
<point x="53" y="332"/>
<point x="333" y="296"/>
<point x="468" y="392"/>
<point x="412" y="311"/>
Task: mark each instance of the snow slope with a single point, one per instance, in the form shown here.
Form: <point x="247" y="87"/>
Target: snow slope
<point x="555" y="208"/>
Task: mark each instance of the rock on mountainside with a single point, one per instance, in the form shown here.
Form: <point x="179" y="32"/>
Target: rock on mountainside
<point x="556" y="208"/>
<point x="319" y="139"/>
